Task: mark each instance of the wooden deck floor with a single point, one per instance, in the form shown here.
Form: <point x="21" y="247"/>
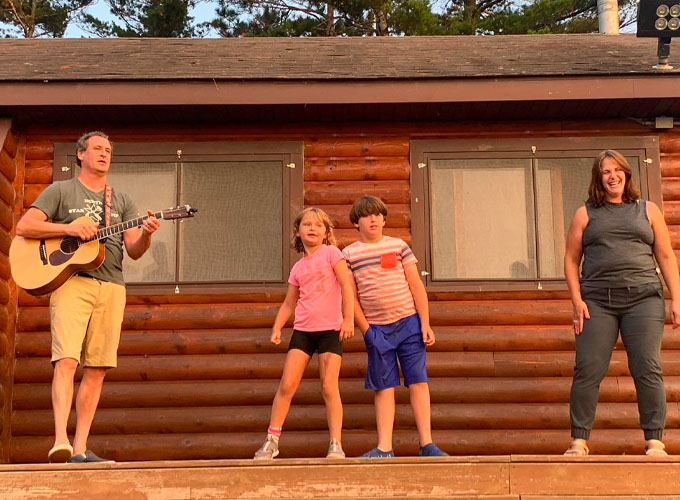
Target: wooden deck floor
<point x="515" y="477"/>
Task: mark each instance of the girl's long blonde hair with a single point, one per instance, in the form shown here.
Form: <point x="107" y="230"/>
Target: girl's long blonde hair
<point x="323" y="217"/>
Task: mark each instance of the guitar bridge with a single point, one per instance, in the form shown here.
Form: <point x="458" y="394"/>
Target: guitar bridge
<point x="43" y="253"/>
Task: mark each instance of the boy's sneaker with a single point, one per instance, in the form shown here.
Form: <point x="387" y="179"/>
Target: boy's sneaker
<point x="88" y="457"/>
<point x="431" y="450"/>
<point x="269" y="449"/>
<point x="378" y="453"/>
<point x="335" y="450"/>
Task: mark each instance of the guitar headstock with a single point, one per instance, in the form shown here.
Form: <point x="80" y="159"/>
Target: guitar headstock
<point x="180" y="212"/>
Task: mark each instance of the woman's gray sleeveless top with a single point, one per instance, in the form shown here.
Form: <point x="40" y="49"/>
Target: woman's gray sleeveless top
<point x="617" y="246"/>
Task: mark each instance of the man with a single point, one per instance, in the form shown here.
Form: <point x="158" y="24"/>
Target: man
<point x="86" y="312"/>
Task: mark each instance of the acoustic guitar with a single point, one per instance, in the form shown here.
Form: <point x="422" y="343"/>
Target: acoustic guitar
<point x="40" y="266"/>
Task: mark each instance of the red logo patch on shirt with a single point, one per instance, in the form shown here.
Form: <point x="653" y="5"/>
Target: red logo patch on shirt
<point x="388" y="260"/>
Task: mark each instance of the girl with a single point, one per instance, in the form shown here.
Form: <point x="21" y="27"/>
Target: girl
<point x="320" y="292"/>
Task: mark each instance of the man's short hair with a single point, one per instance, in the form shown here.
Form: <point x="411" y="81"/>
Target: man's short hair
<point x="365" y="206"/>
<point x="81" y="145"/>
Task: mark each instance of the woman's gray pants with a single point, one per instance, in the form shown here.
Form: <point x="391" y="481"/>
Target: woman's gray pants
<point x="638" y="313"/>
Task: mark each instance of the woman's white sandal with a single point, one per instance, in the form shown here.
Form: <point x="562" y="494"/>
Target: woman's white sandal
<point x="577" y="449"/>
<point x="658" y="451"/>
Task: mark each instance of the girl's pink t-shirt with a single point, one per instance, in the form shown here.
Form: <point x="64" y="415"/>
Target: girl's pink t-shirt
<point x="319" y="306"/>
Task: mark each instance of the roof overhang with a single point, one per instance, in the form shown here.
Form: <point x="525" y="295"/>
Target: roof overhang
<point x="214" y="92"/>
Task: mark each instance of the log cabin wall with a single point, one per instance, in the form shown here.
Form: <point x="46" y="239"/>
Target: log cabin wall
<point x="11" y="179"/>
<point x="197" y="374"/>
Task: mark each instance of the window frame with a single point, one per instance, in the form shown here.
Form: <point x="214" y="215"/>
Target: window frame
<point x="290" y="153"/>
<point x="421" y="151"/>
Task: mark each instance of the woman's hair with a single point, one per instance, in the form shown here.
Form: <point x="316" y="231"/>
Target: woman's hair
<point x="323" y="217"/>
<point x="365" y="206"/>
<point x="596" y="192"/>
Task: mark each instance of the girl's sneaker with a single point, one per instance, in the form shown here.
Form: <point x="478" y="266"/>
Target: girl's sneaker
<point x="335" y="450"/>
<point x="269" y="449"/>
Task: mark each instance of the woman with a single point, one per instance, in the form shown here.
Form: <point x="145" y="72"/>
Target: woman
<point x="618" y="235"/>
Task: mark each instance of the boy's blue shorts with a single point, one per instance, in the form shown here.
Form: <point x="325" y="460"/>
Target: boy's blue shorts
<point x="384" y="343"/>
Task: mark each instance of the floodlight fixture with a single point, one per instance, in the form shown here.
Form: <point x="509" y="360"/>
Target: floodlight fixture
<point x="659" y="19"/>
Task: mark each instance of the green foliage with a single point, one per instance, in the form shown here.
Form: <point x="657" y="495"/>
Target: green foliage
<point x="144" y="18"/>
<point x="37" y="18"/>
<point x="409" y="17"/>
<point x="277" y="18"/>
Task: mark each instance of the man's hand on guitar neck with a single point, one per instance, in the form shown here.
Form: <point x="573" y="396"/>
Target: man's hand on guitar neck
<point x="138" y="242"/>
<point x="150" y="225"/>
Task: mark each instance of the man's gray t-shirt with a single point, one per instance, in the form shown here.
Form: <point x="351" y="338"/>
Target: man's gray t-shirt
<point x="65" y="201"/>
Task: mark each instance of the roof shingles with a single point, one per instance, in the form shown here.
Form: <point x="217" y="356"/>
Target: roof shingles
<point x="327" y="58"/>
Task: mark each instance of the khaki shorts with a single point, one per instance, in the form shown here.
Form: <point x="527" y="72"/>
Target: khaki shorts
<point x="86" y="316"/>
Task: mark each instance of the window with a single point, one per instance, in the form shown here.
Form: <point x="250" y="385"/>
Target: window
<point x="495" y="214"/>
<point x="246" y="195"/>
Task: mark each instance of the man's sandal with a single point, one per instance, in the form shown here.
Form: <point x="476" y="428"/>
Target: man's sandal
<point x="658" y="451"/>
<point x="577" y="450"/>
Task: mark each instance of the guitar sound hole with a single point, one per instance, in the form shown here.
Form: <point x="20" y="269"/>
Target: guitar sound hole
<point x="69" y="244"/>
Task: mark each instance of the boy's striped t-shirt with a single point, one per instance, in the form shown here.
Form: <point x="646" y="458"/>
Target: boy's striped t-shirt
<point x="378" y="270"/>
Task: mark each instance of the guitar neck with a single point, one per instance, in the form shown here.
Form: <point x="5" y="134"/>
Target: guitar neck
<point x="105" y="232"/>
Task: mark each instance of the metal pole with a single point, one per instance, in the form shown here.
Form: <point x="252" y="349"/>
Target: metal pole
<point x="608" y="16"/>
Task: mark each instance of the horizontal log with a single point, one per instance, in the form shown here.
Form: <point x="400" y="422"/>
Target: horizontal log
<point x="31" y="193"/>
<point x="39" y="150"/>
<point x="6" y="216"/>
<point x="8" y="166"/>
<point x="5" y="242"/>
<point x="346" y="237"/>
<point x="347" y="192"/>
<point x="11" y="145"/>
<point x="4" y="345"/>
<point x="243" y="445"/>
<point x="357" y="169"/>
<point x="444" y="313"/>
<point x="268" y="366"/>
<point x="271" y="295"/>
<point x="669" y="143"/>
<point x="261" y="392"/>
<point x="397" y="216"/>
<point x="7" y="193"/>
<point x="4" y="292"/>
<point x="175" y="317"/>
<point x="500" y="312"/>
<point x="671" y="212"/>
<point x="675" y="236"/>
<point x="4" y="317"/>
<point x="38" y="172"/>
<point x="670" y="165"/>
<point x="5" y="271"/>
<point x="670" y="189"/>
<point x="249" y="341"/>
<point x="256" y="340"/>
<point x="263" y="366"/>
<point x="359" y="146"/>
<point x="275" y="295"/>
<point x="436" y="296"/>
<point x="313" y="418"/>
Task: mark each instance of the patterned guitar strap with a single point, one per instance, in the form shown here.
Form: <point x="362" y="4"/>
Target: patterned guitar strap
<point x="108" y="206"/>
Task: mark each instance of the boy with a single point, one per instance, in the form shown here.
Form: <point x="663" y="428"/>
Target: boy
<point x="393" y="313"/>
